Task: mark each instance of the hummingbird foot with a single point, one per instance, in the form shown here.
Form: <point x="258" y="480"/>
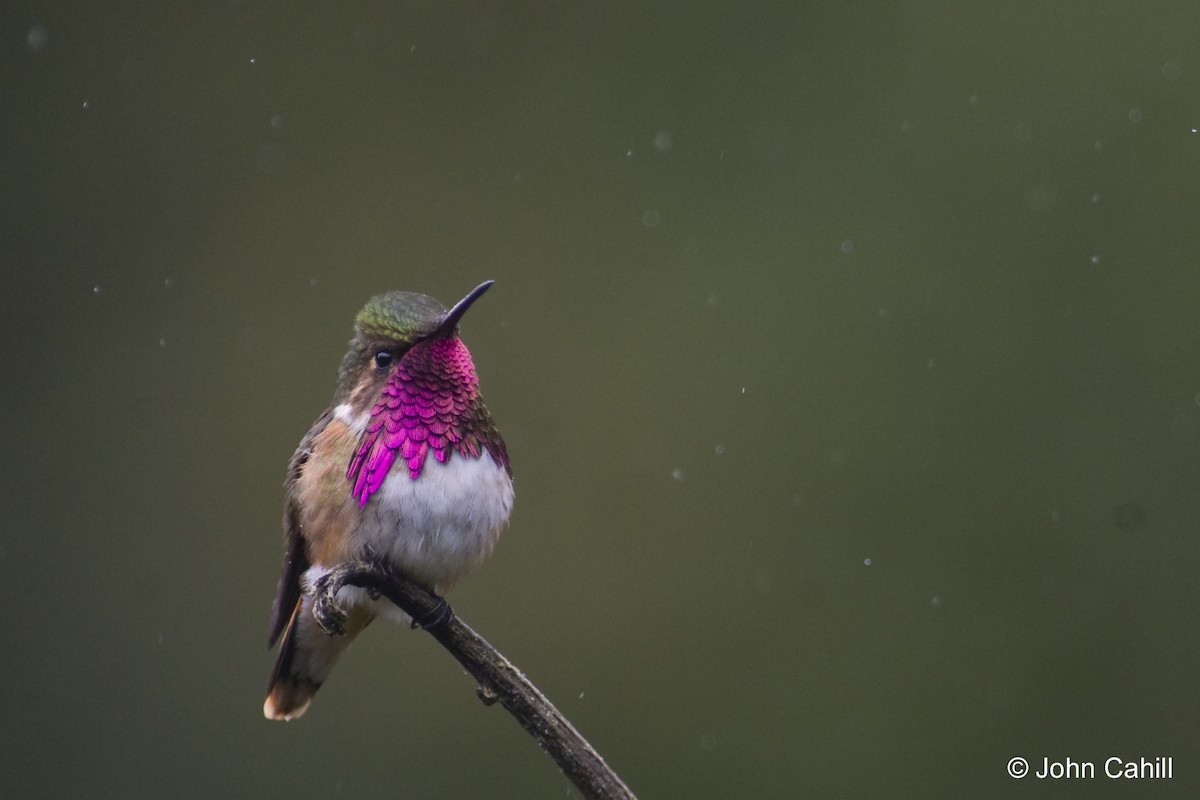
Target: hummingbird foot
<point x="327" y="612"/>
<point x="326" y="609"/>
<point x="431" y="610"/>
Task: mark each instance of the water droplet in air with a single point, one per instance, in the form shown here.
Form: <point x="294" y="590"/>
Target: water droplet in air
<point x="677" y="474"/>
<point x="37" y="38"/>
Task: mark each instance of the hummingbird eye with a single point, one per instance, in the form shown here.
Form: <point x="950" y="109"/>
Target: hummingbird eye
<point x="383" y="359"/>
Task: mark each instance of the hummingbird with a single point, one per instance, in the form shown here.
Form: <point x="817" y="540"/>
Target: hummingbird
<point x="405" y="469"/>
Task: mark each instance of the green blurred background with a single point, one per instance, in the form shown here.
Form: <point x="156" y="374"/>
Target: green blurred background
<point x="847" y="355"/>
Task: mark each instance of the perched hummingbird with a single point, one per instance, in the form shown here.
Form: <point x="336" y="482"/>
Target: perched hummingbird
<point x="405" y="469"/>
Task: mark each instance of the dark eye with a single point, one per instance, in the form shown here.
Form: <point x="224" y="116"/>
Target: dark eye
<point x="383" y="359"/>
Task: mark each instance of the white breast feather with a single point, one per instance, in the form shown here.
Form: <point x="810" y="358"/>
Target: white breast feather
<point x="435" y="528"/>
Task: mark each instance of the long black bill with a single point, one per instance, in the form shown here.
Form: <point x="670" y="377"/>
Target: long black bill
<point x="460" y="308"/>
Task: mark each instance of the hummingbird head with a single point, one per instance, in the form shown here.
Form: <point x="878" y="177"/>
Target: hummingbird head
<point x="387" y="329"/>
<point x="409" y="386"/>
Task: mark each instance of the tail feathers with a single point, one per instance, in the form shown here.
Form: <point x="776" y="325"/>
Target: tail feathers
<point x="306" y="656"/>
<point x="289" y="698"/>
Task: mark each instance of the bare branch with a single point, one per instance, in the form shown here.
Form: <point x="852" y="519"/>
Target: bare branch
<point x="499" y="680"/>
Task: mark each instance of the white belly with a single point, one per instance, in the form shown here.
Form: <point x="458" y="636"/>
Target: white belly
<point x="435" y="528"/>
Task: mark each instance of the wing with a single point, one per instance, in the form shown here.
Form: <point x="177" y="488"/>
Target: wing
<point x="295" y="560"/>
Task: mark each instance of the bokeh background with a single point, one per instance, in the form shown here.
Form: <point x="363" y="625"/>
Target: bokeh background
<point x="847" y="354"/>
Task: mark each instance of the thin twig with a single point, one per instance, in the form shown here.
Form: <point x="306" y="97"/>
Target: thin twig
<point x="499" y="680"/>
